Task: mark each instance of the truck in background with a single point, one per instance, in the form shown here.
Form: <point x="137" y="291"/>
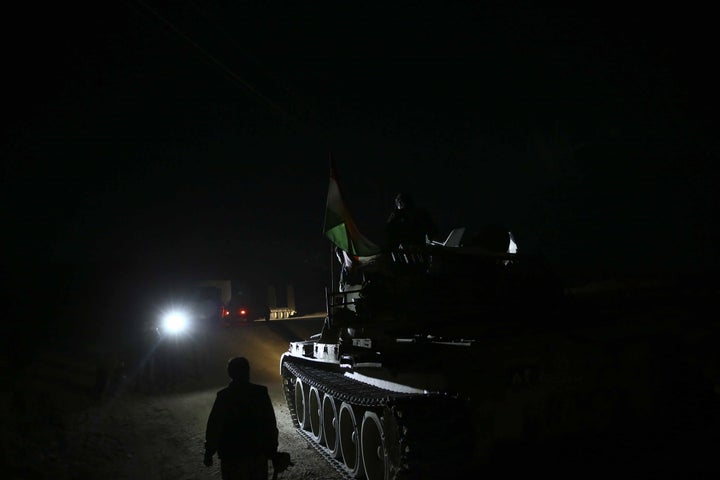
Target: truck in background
<point x="278" y="311"/>
<point x="209" y="299"/>
<point x="253" y="303"/>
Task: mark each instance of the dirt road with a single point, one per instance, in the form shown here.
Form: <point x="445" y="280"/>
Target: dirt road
<point x="130" y="434"/>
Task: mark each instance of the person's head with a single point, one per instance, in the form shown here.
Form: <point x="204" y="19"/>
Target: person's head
<point x="403" y="200"/>
<point x="239" y="369"/>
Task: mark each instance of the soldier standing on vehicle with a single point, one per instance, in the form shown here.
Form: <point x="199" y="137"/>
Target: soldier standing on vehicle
<point x="408" y="224"/>
<point x="241" y="427"/>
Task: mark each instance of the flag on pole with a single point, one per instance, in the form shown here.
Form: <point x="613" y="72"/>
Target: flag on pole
<point x="339" y="226"/>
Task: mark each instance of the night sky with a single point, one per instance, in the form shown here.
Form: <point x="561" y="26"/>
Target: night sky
<point x="147" y="140"/>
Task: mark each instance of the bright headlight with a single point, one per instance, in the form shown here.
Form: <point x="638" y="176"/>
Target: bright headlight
<point x="175" y="322"/>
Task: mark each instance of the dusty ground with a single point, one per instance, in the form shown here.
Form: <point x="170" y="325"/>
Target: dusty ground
<point x="55" y="426"/>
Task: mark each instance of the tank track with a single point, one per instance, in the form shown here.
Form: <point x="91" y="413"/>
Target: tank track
<point x="343" y="388"/>
<point x="334" y="462"/>
<point x="428" y="434"/>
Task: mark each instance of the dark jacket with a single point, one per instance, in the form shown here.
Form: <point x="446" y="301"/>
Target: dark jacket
<point x="409" y="226"/>
<point x="242" y="423"/>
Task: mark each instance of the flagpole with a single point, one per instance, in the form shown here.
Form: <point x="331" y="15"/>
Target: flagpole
<point x="332" y="246"/>
<point x="332" y="274"/>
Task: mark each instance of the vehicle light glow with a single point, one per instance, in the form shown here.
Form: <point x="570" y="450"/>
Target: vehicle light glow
<point x="175" y="322"/>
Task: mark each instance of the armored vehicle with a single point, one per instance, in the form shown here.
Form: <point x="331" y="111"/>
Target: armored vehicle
<point x="458" y="360"/>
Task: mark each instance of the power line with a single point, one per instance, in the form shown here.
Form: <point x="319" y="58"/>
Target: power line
<point x="217" y="62"/>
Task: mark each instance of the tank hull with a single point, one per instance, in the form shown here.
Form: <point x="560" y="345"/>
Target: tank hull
<point x="393" y="391"/>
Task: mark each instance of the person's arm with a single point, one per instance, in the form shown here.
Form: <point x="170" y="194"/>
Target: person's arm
<point x="270" y="424"/>
<point x="430" y="226"/>
<point x="213" y="430"/>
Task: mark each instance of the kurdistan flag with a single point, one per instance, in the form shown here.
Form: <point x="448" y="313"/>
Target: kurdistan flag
<point x="340" y="227"/>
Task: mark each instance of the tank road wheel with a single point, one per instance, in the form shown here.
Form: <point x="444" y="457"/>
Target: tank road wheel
<point x="330" y="426"/>
<point x="349" y="433"/>
<point x="372" y="446"/>
<point x="301" y="404"/>
<point x="314" y="417"/>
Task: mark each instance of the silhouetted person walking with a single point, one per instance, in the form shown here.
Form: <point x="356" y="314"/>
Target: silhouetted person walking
<point x="241" y="427"/>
